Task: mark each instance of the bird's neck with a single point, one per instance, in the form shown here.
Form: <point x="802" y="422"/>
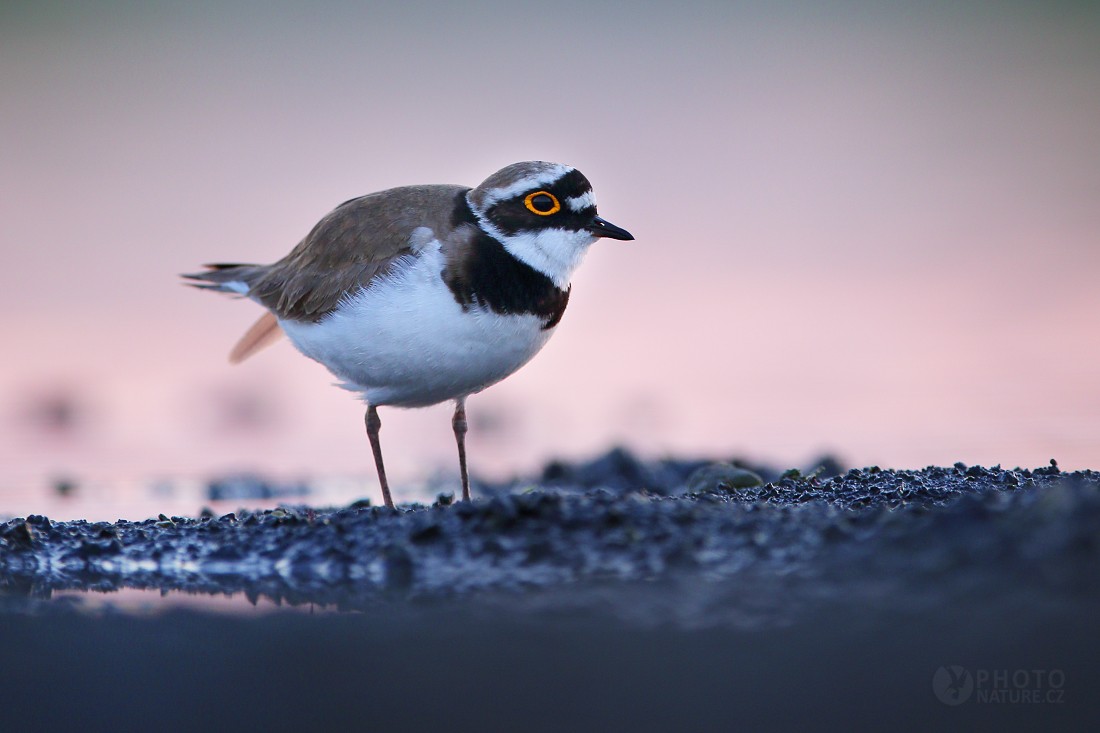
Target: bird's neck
<point x="555" y="253"/>
<point x="487" y="275"/>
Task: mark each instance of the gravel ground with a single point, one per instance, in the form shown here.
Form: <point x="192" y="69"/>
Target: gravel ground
<point x="601" y="585"/>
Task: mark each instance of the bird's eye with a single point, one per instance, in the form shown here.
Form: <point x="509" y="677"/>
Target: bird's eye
<point x="542" y="203"/>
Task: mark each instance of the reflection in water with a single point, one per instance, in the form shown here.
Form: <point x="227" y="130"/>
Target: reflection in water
<point x="147" y="601"/>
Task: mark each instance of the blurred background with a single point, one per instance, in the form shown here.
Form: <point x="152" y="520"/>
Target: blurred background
<point x="871" y="229"/>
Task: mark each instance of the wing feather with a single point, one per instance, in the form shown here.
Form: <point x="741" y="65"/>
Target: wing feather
<point x="262" y="334"/>
<point x="355" y="243"/>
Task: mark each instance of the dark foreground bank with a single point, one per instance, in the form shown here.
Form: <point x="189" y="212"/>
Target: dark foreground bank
<point x="667" y="600"/>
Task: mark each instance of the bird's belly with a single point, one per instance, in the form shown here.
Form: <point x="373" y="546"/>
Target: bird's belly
<point x="405" y="341"/>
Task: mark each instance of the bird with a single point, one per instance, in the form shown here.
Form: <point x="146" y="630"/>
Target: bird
<point x="418" y="295"/>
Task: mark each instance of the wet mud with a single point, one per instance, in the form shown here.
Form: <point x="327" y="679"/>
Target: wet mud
<point x="744" y="598"/>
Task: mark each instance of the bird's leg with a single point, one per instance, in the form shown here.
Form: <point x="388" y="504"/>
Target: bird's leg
<point x="459" y="425"/>
<point x="373" y="425"/>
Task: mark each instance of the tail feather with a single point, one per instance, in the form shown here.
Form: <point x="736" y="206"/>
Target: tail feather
<point x="225" y="278"/>
<point x="238" y="279"/>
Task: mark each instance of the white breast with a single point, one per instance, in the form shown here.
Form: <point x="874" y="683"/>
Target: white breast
<point x="405" y="341"/>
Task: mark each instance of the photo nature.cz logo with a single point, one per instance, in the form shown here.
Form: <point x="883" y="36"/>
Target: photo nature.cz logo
<point x="955" y="685"/>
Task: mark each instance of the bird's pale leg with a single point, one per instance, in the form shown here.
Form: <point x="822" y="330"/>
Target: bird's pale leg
<point x="459" y="425"/>
<point x="373" y="425"/>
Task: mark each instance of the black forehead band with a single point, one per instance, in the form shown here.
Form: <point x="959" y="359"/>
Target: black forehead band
<point x="511" y="216"/>
<point x="572" y="184"/>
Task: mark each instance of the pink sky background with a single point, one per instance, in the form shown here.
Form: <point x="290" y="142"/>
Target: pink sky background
<point x="868" y="231"/>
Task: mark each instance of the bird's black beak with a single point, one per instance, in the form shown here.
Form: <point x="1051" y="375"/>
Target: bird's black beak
<point x="603" y="228"/>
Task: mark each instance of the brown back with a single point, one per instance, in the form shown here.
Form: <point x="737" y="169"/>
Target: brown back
<point x="354" y="243"/>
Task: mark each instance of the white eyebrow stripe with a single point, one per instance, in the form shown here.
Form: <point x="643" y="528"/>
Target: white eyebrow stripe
<point x="582" y="202"/>
<point x="539" y="180"/>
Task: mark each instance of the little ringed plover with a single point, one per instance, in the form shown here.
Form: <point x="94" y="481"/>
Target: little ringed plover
<point x="421" y="294"/>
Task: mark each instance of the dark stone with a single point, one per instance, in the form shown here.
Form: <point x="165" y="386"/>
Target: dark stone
<point x="99" y="549"/>
<point x="427" y="533"/>
<point x="399" y="567"/>
<point x="19" y="534"/>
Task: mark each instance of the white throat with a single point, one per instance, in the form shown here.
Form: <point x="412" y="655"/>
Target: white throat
<point x="555" y="253"/>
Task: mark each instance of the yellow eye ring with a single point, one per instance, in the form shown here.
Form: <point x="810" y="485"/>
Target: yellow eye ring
<point x="529" y="202"/>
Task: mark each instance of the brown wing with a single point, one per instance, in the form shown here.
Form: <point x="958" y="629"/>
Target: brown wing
<point x="356" y="242"/>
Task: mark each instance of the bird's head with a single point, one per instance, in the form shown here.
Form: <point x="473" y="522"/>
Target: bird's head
<point x="544" y="214"/>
